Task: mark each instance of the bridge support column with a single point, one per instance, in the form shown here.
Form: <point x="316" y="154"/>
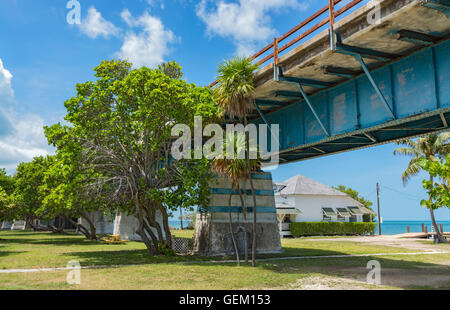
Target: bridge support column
<point x="212" y="232"/>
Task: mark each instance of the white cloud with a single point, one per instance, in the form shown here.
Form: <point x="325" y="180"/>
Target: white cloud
<point x="21" y="136"/>
<point x="159" y="3"/>
<point x="149" y="46"/>
<point x="95" y="25"/>
<point x="5" y="82"/>
<point x="247" y="22"/>
<point x="6" y="100"/>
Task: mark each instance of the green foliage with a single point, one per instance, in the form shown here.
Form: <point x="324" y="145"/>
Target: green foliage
<point x="6" y="191"/>
<point x="28" y="196"/>
<point x="121" y="135"/>
<point x="235" y="88"/>
<point x="6" y="182"/>
<point x="439" y="193"/>
<point x="5" y="206"/>
<point x="171" y="69"/>
<point x="165" y="250"/>
<point x="355" y="195"/>
<point x="235" y="168"/>
<point x="331" y="228"/>
<point x="431" y="147"/>
<point x="66" y="178"/>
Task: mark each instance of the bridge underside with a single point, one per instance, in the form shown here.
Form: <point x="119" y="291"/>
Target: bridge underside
<point x="379" y="83"/>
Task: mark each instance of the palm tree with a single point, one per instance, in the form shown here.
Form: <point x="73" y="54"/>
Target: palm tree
<point x="236" y="170"/>
<point x="235" y="94"/>
<point x="431" y="147"/>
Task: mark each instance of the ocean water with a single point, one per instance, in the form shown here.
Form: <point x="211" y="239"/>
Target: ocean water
<point x="399" y="227"/>
<point x="387" y="227"/>
<point x="177" y="224"/>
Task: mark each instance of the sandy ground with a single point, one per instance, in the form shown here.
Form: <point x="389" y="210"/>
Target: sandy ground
<point x="345" y="278"/>
<point x="393" y="241"/>
<point x="355" y="279"/>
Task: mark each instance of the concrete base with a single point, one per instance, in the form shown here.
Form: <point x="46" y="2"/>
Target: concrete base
<point x="127" y="225"/>
<point x="213" y="238"/>
<point x="103" y="224"/>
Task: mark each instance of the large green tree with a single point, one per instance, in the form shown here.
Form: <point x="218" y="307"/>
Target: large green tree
<point x="235" y="94"/>
<point x="431" y="147"/>
<point x="439" y="187"/>
<point x="6" y="205"/>
<point x="123" y="122"/>
<point x="6" y="182"/>
<point x="6" y="191"/>
<point x="65" y="181"/>
<point x="27" y="196"/>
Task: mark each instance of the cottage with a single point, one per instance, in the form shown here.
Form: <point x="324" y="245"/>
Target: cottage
<point x="301" y="199"/>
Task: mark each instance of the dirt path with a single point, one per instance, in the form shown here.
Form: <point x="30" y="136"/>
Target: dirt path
<point x="392" y="241"/>
<point x="356" y="279"/>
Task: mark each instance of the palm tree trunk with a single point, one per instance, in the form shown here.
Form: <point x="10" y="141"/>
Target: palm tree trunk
<point x="247" y="155"/>
<point x="244" y="212"/>
<point x="231" y="229"/>
<point x="439" y="236"/>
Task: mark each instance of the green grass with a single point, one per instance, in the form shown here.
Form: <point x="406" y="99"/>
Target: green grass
<point x="32" y="250"/>
<point x="20" y="249"/>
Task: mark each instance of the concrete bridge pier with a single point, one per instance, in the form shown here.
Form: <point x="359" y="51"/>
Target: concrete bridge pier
<point x="212" y="231"/>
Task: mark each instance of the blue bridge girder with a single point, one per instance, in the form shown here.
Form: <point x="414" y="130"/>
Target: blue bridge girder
<point x="405" y="96"/>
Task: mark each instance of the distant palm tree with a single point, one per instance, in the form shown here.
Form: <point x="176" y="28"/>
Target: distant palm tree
<point x="431" y="147"/>
<point x="235" y="94"/>
<point x="236" y="170"/>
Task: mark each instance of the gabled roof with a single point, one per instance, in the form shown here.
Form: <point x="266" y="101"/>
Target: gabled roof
<point x="301" y="185"/>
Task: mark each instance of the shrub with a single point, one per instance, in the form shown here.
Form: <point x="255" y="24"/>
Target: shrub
<point x="331" y="228"/>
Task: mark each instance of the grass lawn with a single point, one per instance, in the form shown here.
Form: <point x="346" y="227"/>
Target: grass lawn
<point x="39" y="250"/>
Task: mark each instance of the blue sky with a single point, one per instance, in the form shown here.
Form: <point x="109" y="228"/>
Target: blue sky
<point x="42" y="57"/>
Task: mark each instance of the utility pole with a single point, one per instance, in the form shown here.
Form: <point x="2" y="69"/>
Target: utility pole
<point x="379" y="214"/>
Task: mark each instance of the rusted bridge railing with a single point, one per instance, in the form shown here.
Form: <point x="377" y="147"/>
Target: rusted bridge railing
<point x="275" y="45"/>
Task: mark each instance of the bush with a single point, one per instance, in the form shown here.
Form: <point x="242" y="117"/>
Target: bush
<point x="331" y="228"/>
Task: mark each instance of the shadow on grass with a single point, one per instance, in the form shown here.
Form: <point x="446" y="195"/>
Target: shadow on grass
<point x="9" y="253"/>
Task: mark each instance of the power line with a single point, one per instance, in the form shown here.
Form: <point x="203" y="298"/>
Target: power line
<point x="412" y="197"/>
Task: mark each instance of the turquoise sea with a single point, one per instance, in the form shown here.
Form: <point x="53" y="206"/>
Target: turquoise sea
<point x="399" y="227"/>
<point x="177" y="224"/>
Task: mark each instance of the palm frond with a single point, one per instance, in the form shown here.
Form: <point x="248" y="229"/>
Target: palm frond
<point x="412" y="170"/>
<point x="235" y="86"/>
<point x="407" y="151"/>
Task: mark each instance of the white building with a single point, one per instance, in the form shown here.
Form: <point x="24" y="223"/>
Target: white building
<point x="301" y="199"/>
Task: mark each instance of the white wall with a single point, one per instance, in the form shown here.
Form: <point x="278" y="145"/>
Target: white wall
<point x="311" y="206"/>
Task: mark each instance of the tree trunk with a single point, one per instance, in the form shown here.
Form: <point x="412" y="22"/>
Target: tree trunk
<point x="62" y="223"/>
<point x="244" y="212"/>
<point x="165" y="218"/>
<point x="181" y="218"/>
<point x="93" y="230"/>
<point x="236" y="250"/>
<point x="439" y="236"/>
<point x="247" y="155"/>
<point x="81" y="228"/>
<point x="141" y="231"/>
